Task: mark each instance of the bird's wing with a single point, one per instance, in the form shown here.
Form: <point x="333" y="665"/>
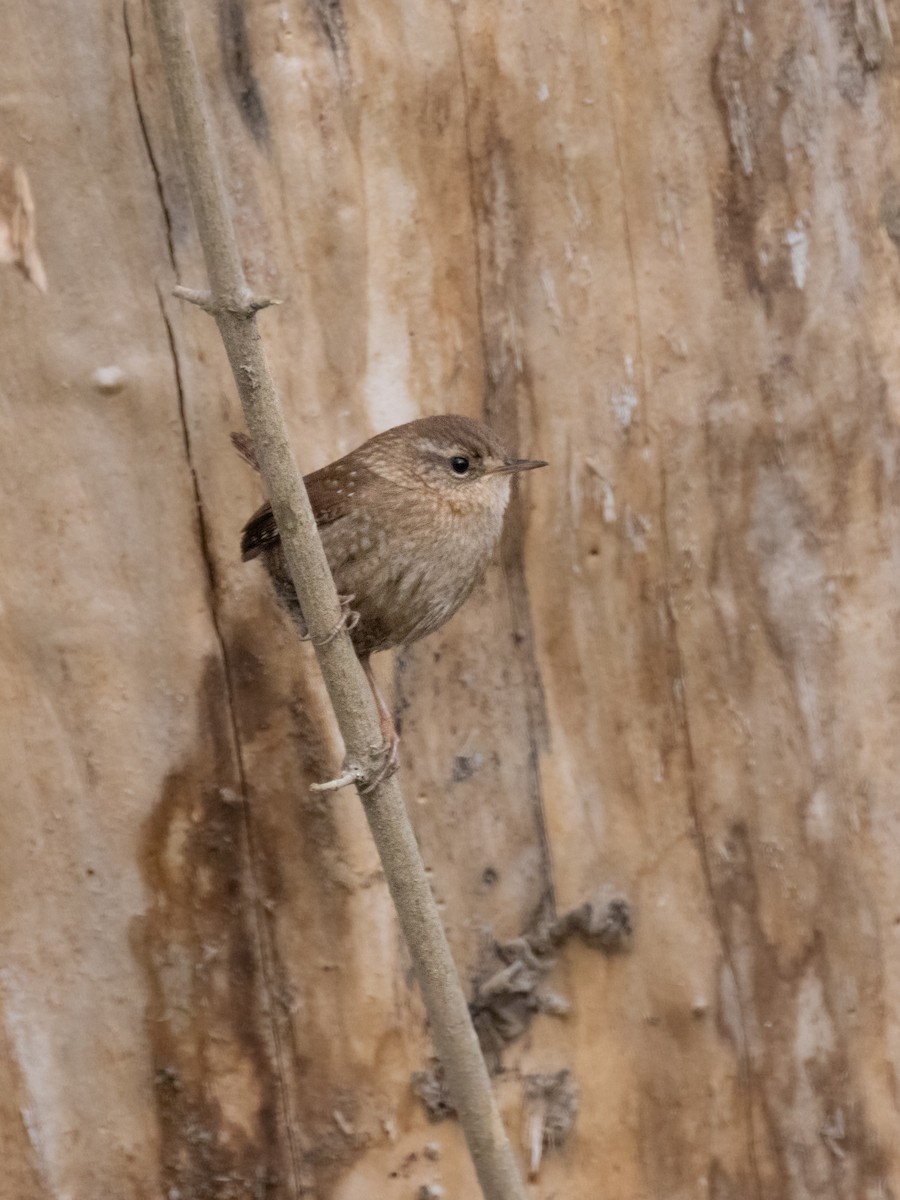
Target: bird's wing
<point x="332" y="493"/>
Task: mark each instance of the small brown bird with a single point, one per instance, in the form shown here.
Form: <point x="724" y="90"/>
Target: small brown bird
<point x="409" y="521"/>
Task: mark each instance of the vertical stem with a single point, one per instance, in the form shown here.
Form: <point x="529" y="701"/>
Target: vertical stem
<point x="234" y="309"/>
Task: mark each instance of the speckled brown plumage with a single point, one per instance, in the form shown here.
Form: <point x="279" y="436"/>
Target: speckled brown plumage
<point x="409" y="521"/>
<point x="403" y="534"/>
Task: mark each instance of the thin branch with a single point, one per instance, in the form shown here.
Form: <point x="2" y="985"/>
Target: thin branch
<point x="234" y="309"/>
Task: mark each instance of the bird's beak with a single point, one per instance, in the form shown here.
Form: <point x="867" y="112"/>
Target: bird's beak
<point x="509" y="465"/>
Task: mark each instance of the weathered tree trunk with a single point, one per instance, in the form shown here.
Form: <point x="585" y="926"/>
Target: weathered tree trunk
<point x="657" y="245"/>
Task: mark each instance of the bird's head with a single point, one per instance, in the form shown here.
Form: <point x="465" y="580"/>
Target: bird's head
<point x="459" y="461"/>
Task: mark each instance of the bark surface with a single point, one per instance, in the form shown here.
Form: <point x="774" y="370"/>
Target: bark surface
<point x="656" y="245"/>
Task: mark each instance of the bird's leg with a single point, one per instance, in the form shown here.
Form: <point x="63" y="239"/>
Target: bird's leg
<point x="386" y="758"/>
<point x="388" y="728"/>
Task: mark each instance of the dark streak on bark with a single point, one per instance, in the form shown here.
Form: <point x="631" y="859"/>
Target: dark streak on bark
<point x="472" y="173"/>
<point x="264" y="948"/>
<point x="145" y="138"/>
<point x="332" y="22"/>
<point x="238" y="63"/>
<point x="254" y="897"/>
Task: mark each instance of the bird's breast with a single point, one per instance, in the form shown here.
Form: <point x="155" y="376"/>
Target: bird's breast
<point x="410" y="573"/>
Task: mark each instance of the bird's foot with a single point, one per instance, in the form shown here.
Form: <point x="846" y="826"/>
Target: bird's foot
<point x="386" y="757"/>
<point x="348" y="620"/>
<point x="383" y="762"/>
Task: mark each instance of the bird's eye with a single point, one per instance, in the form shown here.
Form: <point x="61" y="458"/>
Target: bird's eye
<point x="459" y="464"/>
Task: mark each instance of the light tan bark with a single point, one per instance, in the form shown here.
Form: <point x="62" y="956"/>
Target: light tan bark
<point x="657" y="244"/>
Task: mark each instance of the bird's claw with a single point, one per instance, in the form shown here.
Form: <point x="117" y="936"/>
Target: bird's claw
<point x="382" y="762"/>
<point x="385" y="762"/>
<point x="349" y="619"/>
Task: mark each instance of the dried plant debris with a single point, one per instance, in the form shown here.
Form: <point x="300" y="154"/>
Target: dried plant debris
<point x="603" y="922"/>
<point x="512" y="987"/>
<point x="507" y="999"/>
<point x="18" y="241"/>
<point x="431" y="1088"/>
<point x="505" y="1003"/>
<point x="550" y="1111"/>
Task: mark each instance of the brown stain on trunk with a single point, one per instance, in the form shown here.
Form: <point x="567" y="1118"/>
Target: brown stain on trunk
<point x="205" y="1016"/>
<point x="228" y="1117"/>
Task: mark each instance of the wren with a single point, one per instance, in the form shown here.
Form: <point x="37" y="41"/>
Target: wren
<point x="409" y="521"/>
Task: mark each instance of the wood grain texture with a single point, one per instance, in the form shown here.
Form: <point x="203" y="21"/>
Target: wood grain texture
<point x="654" y="244"/>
